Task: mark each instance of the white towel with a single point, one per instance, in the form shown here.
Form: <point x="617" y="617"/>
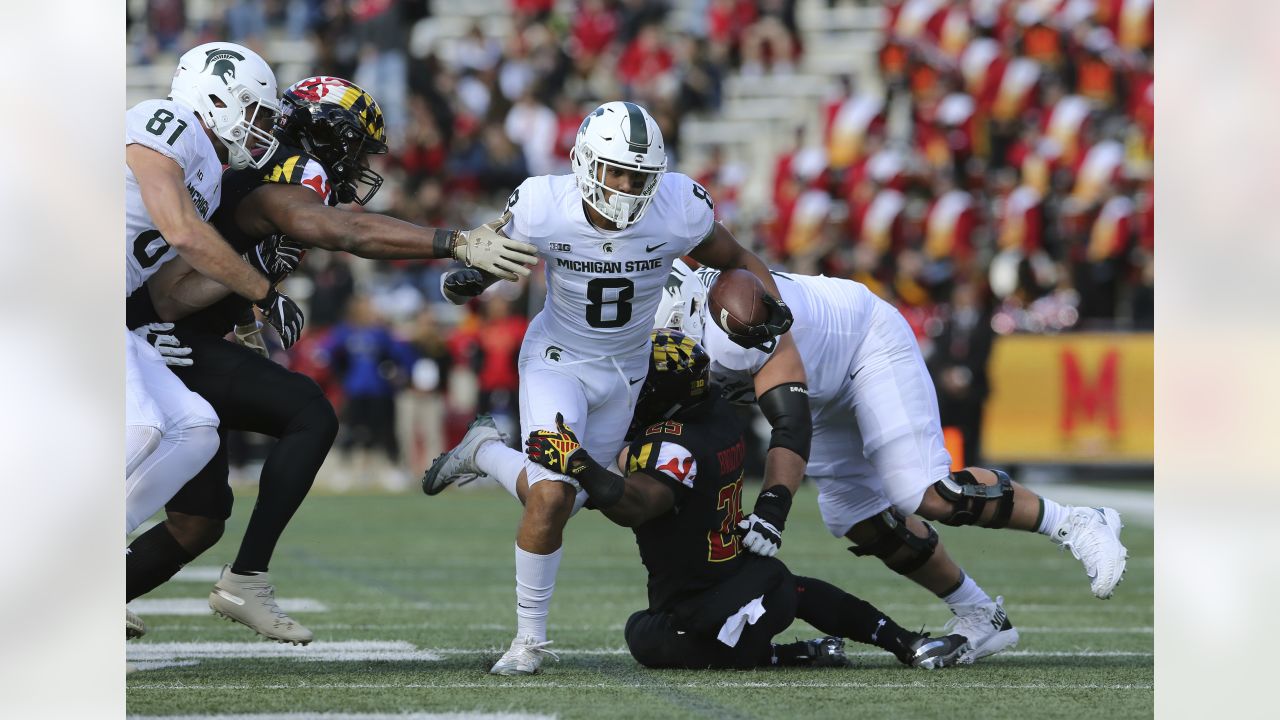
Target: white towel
<point x="747" y="614"/>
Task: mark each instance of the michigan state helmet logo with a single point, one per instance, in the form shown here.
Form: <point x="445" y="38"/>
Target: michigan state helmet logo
<point x="552" y="353"/>
<point x="220" y="60"/>
<point x="608" y="247"/>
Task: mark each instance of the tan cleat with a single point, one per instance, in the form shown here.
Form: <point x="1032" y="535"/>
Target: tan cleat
<point x="133" y="625"/>
<point x="251" y="601"/>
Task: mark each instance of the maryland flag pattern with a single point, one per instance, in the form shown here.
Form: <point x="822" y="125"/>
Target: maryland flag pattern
<point x="680" y="355"/>
<point x="293" y="167"/>
<point x="344" y="94"/>
<point x="554" y="449"/>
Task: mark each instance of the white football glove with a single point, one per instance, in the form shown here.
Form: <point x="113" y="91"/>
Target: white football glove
<point x="249" y="334"/>
<point x="489" y="250"/>
<point x="760" y="536"/>
<point x="169" y="346"/>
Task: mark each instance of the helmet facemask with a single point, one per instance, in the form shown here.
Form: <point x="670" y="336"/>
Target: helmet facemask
<point x="323" y="116"/>
<point x="618" y="207"/>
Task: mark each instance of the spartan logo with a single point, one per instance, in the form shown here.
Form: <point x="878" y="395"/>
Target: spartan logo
<point x="608" y="247"/>
<point x="582" y="129"/>
<point x="219" y="59"/>
<point x="552" y="353"/>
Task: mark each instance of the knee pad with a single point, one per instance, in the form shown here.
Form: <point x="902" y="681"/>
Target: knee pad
<point x="968" y="498"/>
<point x="140" y="441"/>
<point x="893" y="535"/>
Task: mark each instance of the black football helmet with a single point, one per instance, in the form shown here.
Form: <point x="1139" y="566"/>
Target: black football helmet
<point x="337" y="123"/>
<point x="679" y="378"/>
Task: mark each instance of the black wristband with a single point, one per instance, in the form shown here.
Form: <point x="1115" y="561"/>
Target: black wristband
<point x="773" y="505"/>
<point x="443" y="243"/>
<point x="603" y="487"/>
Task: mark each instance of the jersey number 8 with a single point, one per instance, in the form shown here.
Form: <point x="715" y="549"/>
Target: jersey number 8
<point x="618" y="292"/>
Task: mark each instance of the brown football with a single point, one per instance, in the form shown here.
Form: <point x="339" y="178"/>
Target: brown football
<point x="736" y="301"/>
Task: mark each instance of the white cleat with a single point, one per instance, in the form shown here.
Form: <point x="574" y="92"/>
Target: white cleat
<point x="251" y="601"/>
<point x="1093" y="536"/>
<point x="987" y="627"/>
<point x="133" y="625"/>
<point x="458" y="465"/>
<point x="524" y="657"/>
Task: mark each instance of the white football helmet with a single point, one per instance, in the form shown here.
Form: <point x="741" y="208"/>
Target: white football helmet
<point x="623" y="135"/>
<point x="221" y="81"/>
<point x="684" y="300"/>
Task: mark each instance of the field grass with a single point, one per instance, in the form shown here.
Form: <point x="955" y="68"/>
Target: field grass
<point x="413" y="601"/>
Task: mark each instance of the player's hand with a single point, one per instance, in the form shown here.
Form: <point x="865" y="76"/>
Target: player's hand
<point x="489" y="250"/>
<point x="554" y="449"/>
<point x="762" y="530"/>
<point x="284" y="315"/>
<point x="462" y="285"/>
<point x="169" y="346"/>
<point x="276" y="257"/>
<point x="760" y="536"/>
<point x="250" y="335"/>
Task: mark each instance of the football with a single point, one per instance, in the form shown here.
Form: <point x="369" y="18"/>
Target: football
<point x="736" y="301"/>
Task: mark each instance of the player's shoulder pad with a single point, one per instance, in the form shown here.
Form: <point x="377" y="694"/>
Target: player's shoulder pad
<point x="659" y="451"/>
<point x="167" y="127"/>
<point x="694" y="204"/>
<point x="528" y="204"/>
<point x="292" y="166"/>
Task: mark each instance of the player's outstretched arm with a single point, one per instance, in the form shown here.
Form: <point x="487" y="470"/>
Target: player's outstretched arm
<point x="164" y="193"/>
<point x="301" y="214"/>
<point x="628" y="502"/>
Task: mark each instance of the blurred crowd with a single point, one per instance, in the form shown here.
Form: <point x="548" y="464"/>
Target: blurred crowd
<point x="996" y="177"/>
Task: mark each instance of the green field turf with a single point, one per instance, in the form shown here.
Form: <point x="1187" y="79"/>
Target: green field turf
<point x="436" y="575"/>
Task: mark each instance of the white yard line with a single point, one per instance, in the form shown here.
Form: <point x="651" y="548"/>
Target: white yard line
<point x="200" y="606"/>
<point x="321" y="651"/>
<point x="374" y="627"/>
<point x="652" y="686"/>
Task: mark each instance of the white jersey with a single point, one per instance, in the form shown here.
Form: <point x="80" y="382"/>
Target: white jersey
<point x="173" y="130"/>
<point x="603" y="287"/>
<point x="831" y="319"/>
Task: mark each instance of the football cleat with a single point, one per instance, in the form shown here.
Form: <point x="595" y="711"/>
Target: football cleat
<point x="523" y="658"/>
<point x="986" y="626"/>
<point x="820" y="652"/>
<point x="458" y="465"/>
<point x="133" y="625"/>
<point x="1093" y="536"/>
<point x="930" y="653"/>
<point x="251" y="601"/>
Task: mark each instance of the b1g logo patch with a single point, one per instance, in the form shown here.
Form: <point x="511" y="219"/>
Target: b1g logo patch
<point x="559" y="247"/>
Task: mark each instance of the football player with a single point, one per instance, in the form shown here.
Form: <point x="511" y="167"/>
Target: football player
<point x="878" y="455"/>
<point x="712" y="604"/>
<point x="220" y="107"/>
<point x="327" y="129"/>
<point x="608" y="233"/>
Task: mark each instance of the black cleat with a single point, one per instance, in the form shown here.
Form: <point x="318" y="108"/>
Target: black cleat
<point x="821" y="652"/>
<point x="929" y="653"/>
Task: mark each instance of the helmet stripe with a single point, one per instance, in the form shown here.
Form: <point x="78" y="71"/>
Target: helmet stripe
<point x="638" y="138"/>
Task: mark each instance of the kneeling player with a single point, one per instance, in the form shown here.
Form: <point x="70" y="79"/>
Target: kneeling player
<point x="712" y="605"/>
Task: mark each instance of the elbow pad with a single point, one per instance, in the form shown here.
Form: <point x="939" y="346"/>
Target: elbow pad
<point x="786" y="407"/>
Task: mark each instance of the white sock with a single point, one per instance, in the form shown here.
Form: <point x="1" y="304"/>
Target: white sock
<point x="1052" y="516"/>
<point x="502" y="464"/>
<point x="535" y="581"/>
<point x="967" y="594"/>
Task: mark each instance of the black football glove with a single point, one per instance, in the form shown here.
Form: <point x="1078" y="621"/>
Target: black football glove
<point x="459" y="286"/>
<point x="284" y="315"/>
<point x="760" y="337"/>
<point x="276" y="257"/>
<point x="555" y="449"/>
<point x="761" y="531"/>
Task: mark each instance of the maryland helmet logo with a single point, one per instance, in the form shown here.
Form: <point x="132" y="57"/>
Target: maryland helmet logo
<point x="325" y="89"/>
<point x="673" y="351"/>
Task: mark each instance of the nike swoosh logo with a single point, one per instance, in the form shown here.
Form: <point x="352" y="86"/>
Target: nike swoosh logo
<point x="228" y="596"/>
<point x="651" y="248"/>
<point x="633" y="382"/>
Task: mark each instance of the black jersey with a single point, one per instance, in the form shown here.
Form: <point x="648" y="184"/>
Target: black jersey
<point x="289" y="166"/>
<point x="695" y="545"/>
